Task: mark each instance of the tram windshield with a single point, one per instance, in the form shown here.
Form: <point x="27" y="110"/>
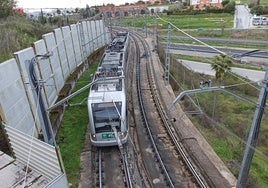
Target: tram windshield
<point x="106" y="116"/>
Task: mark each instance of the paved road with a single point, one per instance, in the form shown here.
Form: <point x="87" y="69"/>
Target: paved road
<point x="242" y="17"/>
<point x="227" y="50"/>
<point x="205" y="68"/>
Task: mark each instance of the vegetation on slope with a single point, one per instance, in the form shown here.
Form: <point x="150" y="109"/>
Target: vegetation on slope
<point x="225" y="120"/>
<point x="72" y="132"/>
<point x="17" y="33"/>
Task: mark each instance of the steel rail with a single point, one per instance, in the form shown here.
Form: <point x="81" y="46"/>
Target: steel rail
<point x="168" y="178"/>
<point x="100" y="168"/>
<point x="126" y="166"/>
<point x="179" y="147"/>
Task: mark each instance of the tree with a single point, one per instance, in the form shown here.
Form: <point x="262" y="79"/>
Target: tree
<point x="58" y="11"/>
<point x="258" y="10"/>
<point x="225" y="2"/>
<point x="87" y="12"/>
<point x="140" y="2"/>
<point x="221" y="64"/>
<point x="229" y="7"/>
<point x="96" y="10"/>
<point x="6" y="7"/>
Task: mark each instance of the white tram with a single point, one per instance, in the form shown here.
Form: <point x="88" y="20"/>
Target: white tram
<point x="107" y="105"/>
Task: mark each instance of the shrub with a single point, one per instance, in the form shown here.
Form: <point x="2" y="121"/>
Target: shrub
<point x="16" y="33"/>
<point x="6" y="7"/>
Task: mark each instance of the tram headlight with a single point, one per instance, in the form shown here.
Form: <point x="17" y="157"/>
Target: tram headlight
<point x="123" y="134"/>
<point x="93" y="136"/>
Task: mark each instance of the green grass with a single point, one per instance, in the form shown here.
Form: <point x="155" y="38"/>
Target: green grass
<point x="185" y="21"/>
<point x="233" y="119"/>
<point x="227" y="34"/>
<point x="199" y="21"/>
<point x="72" y="132"/>
<point x="227" y="134"/>
<point x="17" y="33"/>
<point x="72" y="135"/>
<point x="262" y="2"/>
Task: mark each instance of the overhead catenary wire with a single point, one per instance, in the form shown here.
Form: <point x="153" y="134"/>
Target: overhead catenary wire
<point x="229" y="71"/>
<point x="247" y="156"/>
<point x="221" y="52"/>
<point x="232" y="73"/>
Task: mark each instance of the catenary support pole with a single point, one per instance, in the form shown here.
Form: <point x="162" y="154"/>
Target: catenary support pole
<point x="253" y="134"/>
<point x="167" y="59"/>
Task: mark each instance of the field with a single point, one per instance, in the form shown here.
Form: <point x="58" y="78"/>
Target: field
<point x="262" y="2"/>
<point x="208" y="21"/>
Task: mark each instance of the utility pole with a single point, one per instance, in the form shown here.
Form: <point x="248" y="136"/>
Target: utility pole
<point x="253" y="134"/>
<point x="167" y="60"/>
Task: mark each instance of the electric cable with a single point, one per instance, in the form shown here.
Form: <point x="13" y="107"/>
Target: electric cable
<point x="221" y="52"/>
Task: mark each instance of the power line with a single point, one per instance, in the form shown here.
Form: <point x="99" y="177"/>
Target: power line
<point x="209" y="60"/>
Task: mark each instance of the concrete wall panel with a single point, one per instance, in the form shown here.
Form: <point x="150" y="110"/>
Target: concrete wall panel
<point x="76" y="43"/>
<point x="13" y="99"/>
<point x="102" y="33"/>
<point x="94" y="34"/>
<point x="69" y="47"/>
<point x="54" y="60"/>
<point x="98" y="31"/>
<point x="24" y="59"/>
<point x="107" y="36"/>
<point x="46" y="74"/>
<point x="91" y="44"/>
<point x="85" y="43"/>
<point x="62" y="53"/>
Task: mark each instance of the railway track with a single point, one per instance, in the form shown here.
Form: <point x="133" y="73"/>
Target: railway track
<point x="112" y="167"/>
<point x="175" y="167"/>
<point x="154" y="155"/>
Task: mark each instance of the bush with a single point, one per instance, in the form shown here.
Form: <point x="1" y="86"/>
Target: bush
<point x="18" y="33"/>
<point x="6" y="7"/>
<point x="259" y="10"/>
<point x="225" y="2"/>
<point x="230" y="7"/>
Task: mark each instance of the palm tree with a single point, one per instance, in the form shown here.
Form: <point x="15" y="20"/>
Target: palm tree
<point x="221" y="64"/>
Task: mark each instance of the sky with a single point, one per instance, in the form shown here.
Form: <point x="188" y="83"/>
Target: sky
<point x="67" y="3"/>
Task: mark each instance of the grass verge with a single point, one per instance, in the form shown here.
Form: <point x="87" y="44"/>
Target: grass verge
<point x="73" y="128"/>
<point x="226" y="121"/>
